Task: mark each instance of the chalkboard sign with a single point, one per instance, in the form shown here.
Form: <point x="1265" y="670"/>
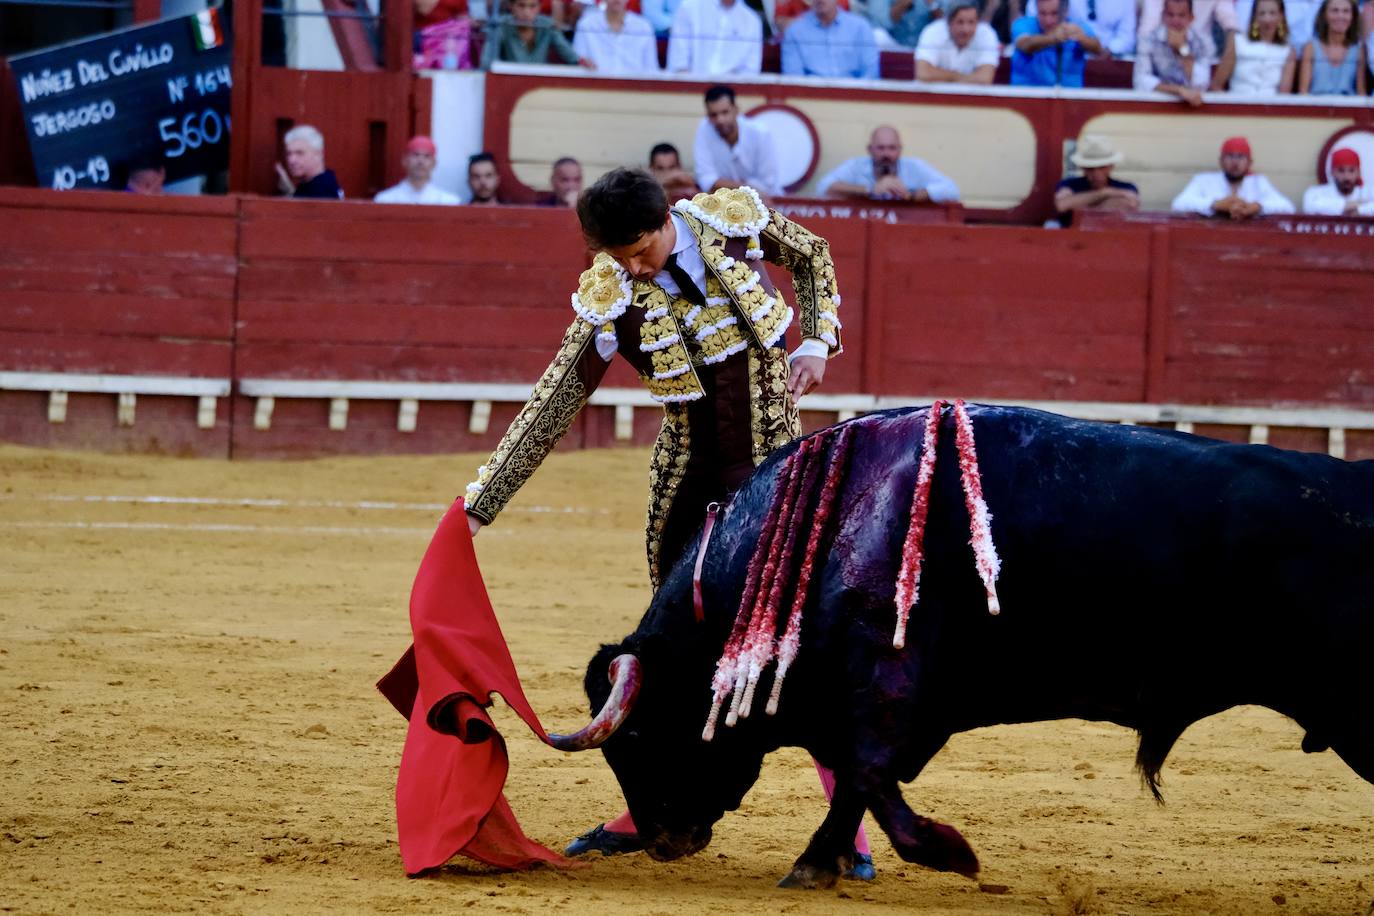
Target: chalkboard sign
<point x="156" y="93"/>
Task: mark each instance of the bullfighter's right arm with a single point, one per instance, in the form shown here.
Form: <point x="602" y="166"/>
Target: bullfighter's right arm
<point x="559" y="394"/>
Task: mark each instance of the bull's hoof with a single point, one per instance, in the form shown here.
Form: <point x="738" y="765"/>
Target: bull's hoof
<point x="945" y="849"/>
<point x="809" y="877"/>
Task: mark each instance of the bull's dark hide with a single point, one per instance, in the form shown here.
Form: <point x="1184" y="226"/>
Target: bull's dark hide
<point x="1149" y="578"/>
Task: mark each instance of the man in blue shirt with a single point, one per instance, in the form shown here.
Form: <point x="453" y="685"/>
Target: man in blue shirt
<point x="885" y="175"/>
<point x="829" y="41"/>
<point x="1050" y="49"/>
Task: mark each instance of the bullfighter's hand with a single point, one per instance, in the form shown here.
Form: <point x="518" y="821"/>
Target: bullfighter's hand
<point x="474" y="525"/>
<point x="807" y="373"/>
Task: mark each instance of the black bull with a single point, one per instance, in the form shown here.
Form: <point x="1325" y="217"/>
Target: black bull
<point x="1149" y="578"/>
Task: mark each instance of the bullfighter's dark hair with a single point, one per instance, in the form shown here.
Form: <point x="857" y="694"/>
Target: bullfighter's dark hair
<point x="718" y="92"/>
<point x="623" y="205"/>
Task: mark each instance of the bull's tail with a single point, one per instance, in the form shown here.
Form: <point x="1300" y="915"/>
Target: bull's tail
<point x="1156" y="741"/>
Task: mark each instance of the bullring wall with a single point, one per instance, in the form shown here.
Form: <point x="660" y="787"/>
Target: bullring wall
<point x="249" y="292"/>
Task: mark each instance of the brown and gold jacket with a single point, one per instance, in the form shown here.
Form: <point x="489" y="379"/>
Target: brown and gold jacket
<point x="666" y="339"/>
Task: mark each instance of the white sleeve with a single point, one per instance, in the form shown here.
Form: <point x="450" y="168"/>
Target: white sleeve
<point x="649" y="42"/>
<point x="986" y="44"/>
<point x="838" y="173"/>
<point x="1194" y="198"/>
<point x="811" y="346"/>
<point x="1202" y="74"/>
<point x="1316" y="200"/>
<point x="928" y="45"/>
<point x="1270" y="200"/>
<point x="702" y="160"/>
<point x="580" y="42"/>
<point x="1144" y="79"/>
<point x="680" y="39"/>
<point x="768" y="164"/>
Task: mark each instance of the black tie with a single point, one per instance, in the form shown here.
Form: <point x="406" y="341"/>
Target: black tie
<point x="690" y="292"/>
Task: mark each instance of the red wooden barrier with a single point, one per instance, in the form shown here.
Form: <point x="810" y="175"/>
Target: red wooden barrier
<point x="1174" y="312"/>
<point x="115" y="284"/>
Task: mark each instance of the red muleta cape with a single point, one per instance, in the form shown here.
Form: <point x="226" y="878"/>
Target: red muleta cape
<point x="448" y="792"/>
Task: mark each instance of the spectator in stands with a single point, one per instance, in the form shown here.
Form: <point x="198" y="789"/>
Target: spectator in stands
<point x="566" y="183"/>
<point x="1333" y="63"/>
<point x="484" y="181"/>
<point x="443" y="35"/>
<point x="145" y="175"/>
<point x="666" y="165"/>
<point x="957" y="48"/>
<point x="715" y="38"/>
<point x="526" y="37"/>
<point x="830" y="42"/>
<point x="733" y="150"/>
<point x="1234" y="192"/>
<point x="660" y="14"/>
<point x="304" y="174"/>
<point x="785" y="12"/>
<point x="1051" y="49"/>
<point x="418" y="161"/>
<point x="1112" y="21"/>
<point x="433" y="12"/>
<point x="616" y="40"/>
<point x="1344" y="193"/>
<point x="902" y="21"/>
<point x="1208" y="16"/>
<point x="1095" y="189"/>
<point x="1175" y="58"/>
<point x="1301" y="16"/>
<point x="884" y="174"/>
<point x="1258" y="61"/>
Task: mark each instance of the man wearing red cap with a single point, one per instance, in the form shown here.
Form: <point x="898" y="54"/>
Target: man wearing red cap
<point x="1345" y="193"/>
<point x="1234" y="192"/>
<point x="418" y="161"/>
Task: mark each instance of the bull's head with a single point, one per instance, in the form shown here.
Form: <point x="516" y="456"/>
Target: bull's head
<point x="649" y="708"/>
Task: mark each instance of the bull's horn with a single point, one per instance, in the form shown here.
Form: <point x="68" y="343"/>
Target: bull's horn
<point x="624" y="674"/>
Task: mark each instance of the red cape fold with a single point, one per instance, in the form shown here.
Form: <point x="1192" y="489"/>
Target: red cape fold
<point x="448" y="793"/>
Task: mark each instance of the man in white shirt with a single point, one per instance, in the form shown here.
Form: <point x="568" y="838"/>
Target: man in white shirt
<point x="957" y="48"/>
<point x="616" y="40"/>
<point x="1344" y="193"/>
<point x="731" y="150"/>
<point x="715" y="38"/>
<point x="418" y="161"/>
<point x="1233" y="192"/>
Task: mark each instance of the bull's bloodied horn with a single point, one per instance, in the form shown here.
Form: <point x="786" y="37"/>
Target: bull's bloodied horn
<point x="624" y="674"/>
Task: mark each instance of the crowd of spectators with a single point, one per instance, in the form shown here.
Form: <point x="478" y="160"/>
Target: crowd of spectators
<point x="1179" y="47"/>
<point x="733" y="150"/>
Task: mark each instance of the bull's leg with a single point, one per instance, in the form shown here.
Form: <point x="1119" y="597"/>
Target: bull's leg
<point x="919" y="839"/>
<point x="831" y="849"/>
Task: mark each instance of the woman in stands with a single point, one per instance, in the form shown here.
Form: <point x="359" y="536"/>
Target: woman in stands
<point x="1260" y="61"/>
<point x="1333" y="63"/>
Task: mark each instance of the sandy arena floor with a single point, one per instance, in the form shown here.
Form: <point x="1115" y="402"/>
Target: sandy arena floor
<point x="190" y="724"/>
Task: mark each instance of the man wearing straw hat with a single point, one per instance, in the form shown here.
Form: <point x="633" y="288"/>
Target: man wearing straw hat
<point x="1095" y="189"/>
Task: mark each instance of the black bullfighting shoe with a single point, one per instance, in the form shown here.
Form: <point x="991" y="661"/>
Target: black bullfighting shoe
<point x="607" y="842"/>
<point x="862" y="869"/>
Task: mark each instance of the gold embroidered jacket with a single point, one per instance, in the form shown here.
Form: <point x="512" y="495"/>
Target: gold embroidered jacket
<point x="667" y="339"/>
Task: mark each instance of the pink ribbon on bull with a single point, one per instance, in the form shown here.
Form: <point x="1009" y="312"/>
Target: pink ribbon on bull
<point x="980" y="520"/>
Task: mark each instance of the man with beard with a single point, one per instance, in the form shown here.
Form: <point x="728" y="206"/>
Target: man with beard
<point x="1234" y="192"/>
<point x="1344" y="193"/>
<point x="483" y="180"/>
<point x="731" y="150"/>
<point x="884" y="174"/>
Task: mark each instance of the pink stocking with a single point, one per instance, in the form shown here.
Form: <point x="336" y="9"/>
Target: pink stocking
<point x="622" y="824"/>
<point x="828" y="784"/>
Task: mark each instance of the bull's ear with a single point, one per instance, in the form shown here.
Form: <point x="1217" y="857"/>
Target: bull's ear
<point x="597" y="683"/>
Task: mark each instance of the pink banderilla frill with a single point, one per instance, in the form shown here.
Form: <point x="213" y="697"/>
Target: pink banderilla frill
<point x="980" y="520"/>
<point x="753" y="641"/>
